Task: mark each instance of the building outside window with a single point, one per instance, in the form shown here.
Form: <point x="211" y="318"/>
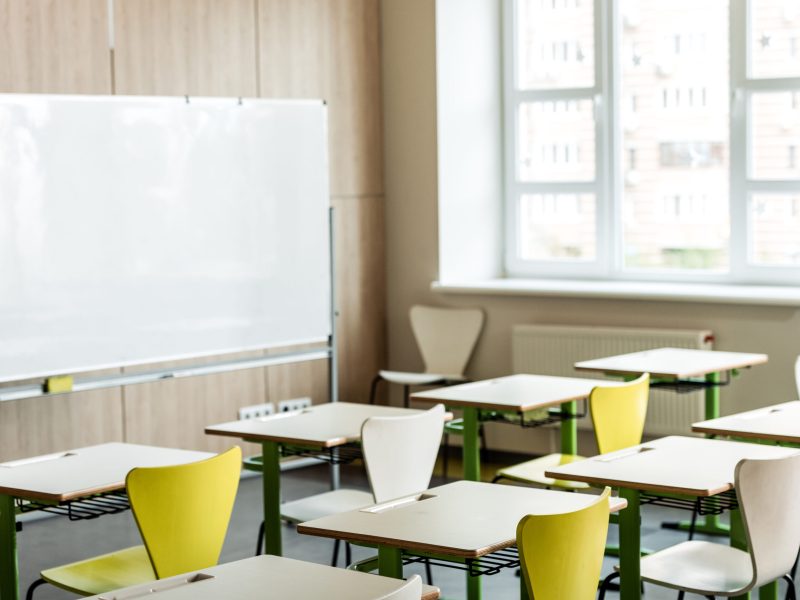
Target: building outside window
<point x="674" y="128"/>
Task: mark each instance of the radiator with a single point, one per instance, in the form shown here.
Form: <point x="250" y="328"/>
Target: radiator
<point x="554" y="349"/>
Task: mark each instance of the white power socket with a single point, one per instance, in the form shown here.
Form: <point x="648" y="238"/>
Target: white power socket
<point x="256" y="410"/>
<point x="294" y="404"/>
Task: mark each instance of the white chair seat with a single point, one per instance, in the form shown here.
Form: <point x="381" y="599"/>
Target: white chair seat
<point x="532" y="471"/>
<point x="326" y="504"/>
<point x="405" y="378"/>
<point x="699" y="567"/>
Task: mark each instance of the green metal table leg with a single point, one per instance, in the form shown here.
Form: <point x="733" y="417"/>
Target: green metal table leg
<point x="630" y="546"/>
<point x="569" y="428"/>
<point x="271" y="479"/>
<point x="709" y="525"/>
<point x="390" y="563"/>
<point x="472" y="455"/>
<point x="9" y="572"/>
<point x="473" y="587"/>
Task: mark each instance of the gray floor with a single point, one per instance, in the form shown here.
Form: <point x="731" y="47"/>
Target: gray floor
<point x="57" y="541"/>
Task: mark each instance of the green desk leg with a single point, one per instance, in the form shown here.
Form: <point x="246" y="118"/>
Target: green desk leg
<point x="472" y="454"/>
<point x="390" y="562"/>
<point x="569" y="428"/>
<point x="271" y="479"/>
<point x="9" y="573"/>
<point x="709" y="525"/>
<point x="630" y="546"/>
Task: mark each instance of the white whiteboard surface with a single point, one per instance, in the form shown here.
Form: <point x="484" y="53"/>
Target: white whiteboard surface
<point x="136" y="230"/>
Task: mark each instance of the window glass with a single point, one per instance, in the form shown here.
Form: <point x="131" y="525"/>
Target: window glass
<point x="775" y="224"/>
<point x="557" y="226"/>
<point x="555" y="44"/>
<point x="774" y="38"/>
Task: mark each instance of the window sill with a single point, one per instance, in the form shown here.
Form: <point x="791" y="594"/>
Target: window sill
<point x="629" y="290"/>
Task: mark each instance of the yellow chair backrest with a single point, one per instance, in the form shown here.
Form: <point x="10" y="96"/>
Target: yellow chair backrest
<point x="618" y="414"/>
<point x="561" y="555"/>
<point x="183" y="511"/>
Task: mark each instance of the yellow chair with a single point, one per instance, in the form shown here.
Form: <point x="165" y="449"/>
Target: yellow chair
<point x="618" y="414"/>
<point x="182" y="513"/>
<point x="561" y="555"/>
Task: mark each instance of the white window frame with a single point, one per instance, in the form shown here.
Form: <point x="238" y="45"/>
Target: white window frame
<point x="607" y="186"/>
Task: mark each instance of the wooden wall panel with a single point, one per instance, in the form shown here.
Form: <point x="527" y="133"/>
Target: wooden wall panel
<point x="360" y="293"/>
<point x="177" y="47"/>
<point x="330" y="49"/>
<point x="307" y="379"/>
<point x="54" y="46"/>
<point x="49" y="424"/>
<point x="175" y="412"/>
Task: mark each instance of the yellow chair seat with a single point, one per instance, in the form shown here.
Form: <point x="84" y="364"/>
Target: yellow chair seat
<point x="101" y="574"/>
<point x="533" y="470"/>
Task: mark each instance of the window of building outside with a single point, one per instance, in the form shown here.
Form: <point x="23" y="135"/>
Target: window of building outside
<point x="653" y="140"/>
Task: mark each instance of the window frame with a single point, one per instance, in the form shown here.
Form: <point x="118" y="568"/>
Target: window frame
<point x="608" y="188"/>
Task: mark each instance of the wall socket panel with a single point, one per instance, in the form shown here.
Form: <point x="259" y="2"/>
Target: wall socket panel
<point x="294" y="404"/>
<point x="256" y="410"/>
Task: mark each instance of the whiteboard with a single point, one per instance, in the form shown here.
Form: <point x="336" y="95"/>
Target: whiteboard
<point x="140" y="229"/>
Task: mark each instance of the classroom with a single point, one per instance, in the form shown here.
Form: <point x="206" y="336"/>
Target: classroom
<point x="399" y="299"/>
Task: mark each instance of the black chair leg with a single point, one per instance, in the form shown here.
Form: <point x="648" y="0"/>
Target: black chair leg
<point x="446" y="455"/>
<point x="681" y="594"/>
<point x="373" y="390"/>
<point x="605" y="583"/>
<point x="406" y="399"/>
<point x="693" y="524"/>
<point x="335" y="557"/>
<point x="791" y="593"/>
<point x="428" y="571"/>
<point x="348" y="554"/>
<point x="260" y="540"/>
<point x="34" y="585"/>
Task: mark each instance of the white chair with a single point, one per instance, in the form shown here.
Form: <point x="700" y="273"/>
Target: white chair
<point x="412" y="590"/>
<point x="399" y="454"/>
<point x="767" y="491"/>
<point x="797" y="376"/>
<point x="446" y="338"/>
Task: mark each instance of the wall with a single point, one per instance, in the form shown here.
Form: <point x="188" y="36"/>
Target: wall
<point x="411" y="149"/>
<point x="266" y="48"/>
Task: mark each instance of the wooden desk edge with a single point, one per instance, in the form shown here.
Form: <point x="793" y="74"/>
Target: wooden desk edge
<point x="58" y="498"/>
<point x="751" y="435"/>
<point x="657" y="374"/>
<point x="614" y="483"/>
<point x="498" y="407"/>
<point x="257" y="439"/>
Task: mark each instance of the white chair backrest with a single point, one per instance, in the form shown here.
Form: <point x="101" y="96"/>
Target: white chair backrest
<point x="400" y="452"/>
<point x="412" y="590"/>
<point x="446" y="337"/>
<point x="768" y="491"/>
<point x="797" y="376"/>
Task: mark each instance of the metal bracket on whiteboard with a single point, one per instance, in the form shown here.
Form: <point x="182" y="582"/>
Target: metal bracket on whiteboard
<point x="96" y="383"/>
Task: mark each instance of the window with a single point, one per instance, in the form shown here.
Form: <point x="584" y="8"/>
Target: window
<point x="653" y="140"/>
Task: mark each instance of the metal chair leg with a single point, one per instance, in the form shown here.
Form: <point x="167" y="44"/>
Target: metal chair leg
<point x="693" y="524"/>
<point x="348" y="553"/>
<point x="605" y="583"/>
<point x="260" y="540"/>
<point x="428" y="571"/>
<point x="681" y="594"/>
<point x="446" y="454"/>
<point x="373" y="390"/>
<point x="791" y="593"/>
<point x="335" y="558"/>
<point x="33" y="586"/>
<point x="406" y="399"/>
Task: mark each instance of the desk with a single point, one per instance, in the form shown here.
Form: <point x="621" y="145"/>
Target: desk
<point x="696" y="468"/>
<point x="64" y="477"/>
<point x="284" y="578"/>
<point x="457" y="522"/>
<point x="329" y="428"/>
<point x="517" y="394"/>
<point x="778" y="423"/>
<point x="678" y="366"/>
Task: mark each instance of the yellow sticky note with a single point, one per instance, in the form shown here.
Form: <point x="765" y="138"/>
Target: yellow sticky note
<point x="61" y="383"/>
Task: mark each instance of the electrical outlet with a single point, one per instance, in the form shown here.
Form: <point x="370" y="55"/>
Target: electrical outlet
<point x="294" y="404"/>
<point x="256" y="410"/>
